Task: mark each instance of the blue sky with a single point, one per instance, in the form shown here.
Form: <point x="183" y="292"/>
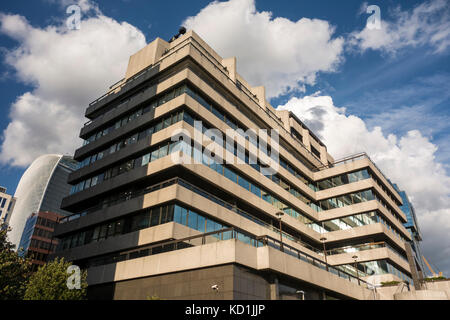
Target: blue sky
<point x="400" y="86"/>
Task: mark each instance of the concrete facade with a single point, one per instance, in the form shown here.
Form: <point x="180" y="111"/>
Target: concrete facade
<point x="7" y="203"/>
<point x="334" y="210"/>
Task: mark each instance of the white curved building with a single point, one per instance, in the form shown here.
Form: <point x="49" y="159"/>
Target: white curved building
<point x="41" y="188"/>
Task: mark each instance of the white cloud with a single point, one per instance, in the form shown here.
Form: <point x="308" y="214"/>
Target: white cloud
<point x="426" y="24"/>
<point x="67" y="69"/>
<point x="408" y="160"/>
<point x="279" y="53"/>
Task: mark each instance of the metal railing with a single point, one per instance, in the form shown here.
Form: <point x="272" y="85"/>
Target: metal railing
<point x="167" y="246"/>
<point x="125" y="197"/>
<point x="276" y="244"/>
<point x="183" y="183"/>
<point x="363" y="247"/>
<point x="222" y="235"/>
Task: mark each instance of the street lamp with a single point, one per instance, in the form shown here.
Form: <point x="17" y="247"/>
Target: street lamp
<point x="355" y="257"/>
<point x="323" y="239"/>
<point x="302" y="293"/>
<point x="279" y="215"/>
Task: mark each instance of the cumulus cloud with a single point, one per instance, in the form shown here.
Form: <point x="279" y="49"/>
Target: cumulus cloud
<point x="426" y="24"/>
<point x="408" y="160"/>
<point x="66" y="69"/>
<point x="281" y="54"/>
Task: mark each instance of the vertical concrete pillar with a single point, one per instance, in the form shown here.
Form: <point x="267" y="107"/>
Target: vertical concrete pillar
<point x="412" y="266"/>
<point x="274" y="289"/>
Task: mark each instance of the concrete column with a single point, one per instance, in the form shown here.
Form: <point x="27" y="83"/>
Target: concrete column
<point x="412" y="266"/>
<point x="274" y="289"/>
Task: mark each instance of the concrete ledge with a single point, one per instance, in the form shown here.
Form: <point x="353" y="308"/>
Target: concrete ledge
<point x="421" y="295"/>
<point x="226" y="252"/>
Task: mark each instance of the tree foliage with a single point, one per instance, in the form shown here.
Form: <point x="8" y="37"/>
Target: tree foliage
<point x="49" y="282"/>
<point x="14" y="269"/>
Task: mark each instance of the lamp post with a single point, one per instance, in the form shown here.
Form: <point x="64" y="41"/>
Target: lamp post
<point x="302" y="293"/>
<point x="279" y="215"/>
<point x="355" y="257"/>
<point x="323" y="239"/>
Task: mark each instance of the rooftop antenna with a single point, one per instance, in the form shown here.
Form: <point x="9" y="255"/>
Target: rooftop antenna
<point x="181" y="31"/>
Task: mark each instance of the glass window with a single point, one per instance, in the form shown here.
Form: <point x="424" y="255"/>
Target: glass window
<point x="256" y="190"/>
<point x="210" y="226"/>
<point x="158" y="126"/>
<point x="184" y="214"/>
<point x="243" y="183"/>
<point x="113" y="148"/>
<point x="324" y="204"/>
<point x="145" y="159"/>
<point x="180" y="116"/>
<point x="154" y="155"/>
<point x="352" y="177"/>
<point x="96" y="234"/>
<point x="346" y="199"/>
<point x="188" y="119"/>
<point x="192" y="220"/>
<point x="170" y="210"/>
<point x="155" y="220"/>
<point x="337" y="181"/>
<point x="140" y="221"/>
<point x="276" y="179"/>
<point x="118" y="229"/>
<point x="133" y="139"/>
<point x="201" y="224"/>
<point x="177" y="214"/>
<point x="325" y="184"/>
<point x="94" y="181"/>
<point x="218" y="168"/>
<point x="230" y="175"/>
<point x="218" y="114"/>
<point x="167" y="122"/>
<point x="110" y="230"/>
<point x="340" y="202"/>
<point x="103" y="230"/>
<point x="163" y="151"/>
<point x="365" y="174"/>
<point x="266" y="196"/>
<point x="356" y="197"/>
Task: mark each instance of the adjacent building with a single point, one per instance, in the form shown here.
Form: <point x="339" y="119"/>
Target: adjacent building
<point x="416" y="236"/>
<point x="6" y="206"/>
<point x="37" y="239"/>
<point x="41" y="188"/>
<point x="144" y="223"/>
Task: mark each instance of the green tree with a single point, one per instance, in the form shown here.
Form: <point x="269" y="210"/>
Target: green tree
<point x="14" y="269"/>
<point x="49" y="282"/>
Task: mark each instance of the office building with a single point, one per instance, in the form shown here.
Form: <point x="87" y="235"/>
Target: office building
<point x="37" y="238"/>
<point x="6" y="206"/>
<point x="41" y="188"/>
<point x="146" y="225"/>
<point x="416" y="236"/>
